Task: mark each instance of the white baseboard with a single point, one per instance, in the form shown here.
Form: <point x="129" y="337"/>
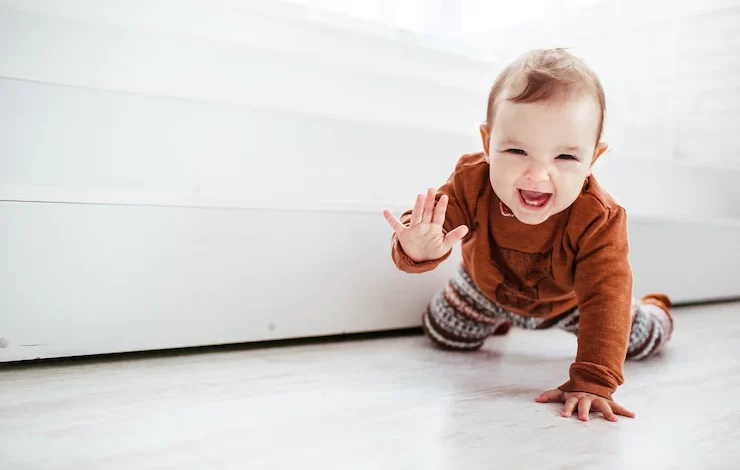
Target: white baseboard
<point x="83" y="279"/>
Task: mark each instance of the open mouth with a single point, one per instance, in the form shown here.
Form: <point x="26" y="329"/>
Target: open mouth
<point x="534" y="199"/>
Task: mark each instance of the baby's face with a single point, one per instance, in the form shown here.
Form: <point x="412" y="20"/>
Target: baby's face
<point x="541" y="153"/>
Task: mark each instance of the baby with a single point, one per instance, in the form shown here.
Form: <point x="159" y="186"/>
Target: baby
<point x="543" y="244"/>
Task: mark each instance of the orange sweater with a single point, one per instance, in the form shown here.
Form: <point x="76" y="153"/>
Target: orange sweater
<point x="578" y="257"/>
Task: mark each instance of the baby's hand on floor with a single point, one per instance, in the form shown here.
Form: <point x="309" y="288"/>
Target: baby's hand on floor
<point x="583" y="402"/>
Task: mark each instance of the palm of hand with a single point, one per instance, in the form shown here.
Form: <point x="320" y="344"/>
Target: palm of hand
<point x="424" y="241"/>
<point x="424" y="238"/>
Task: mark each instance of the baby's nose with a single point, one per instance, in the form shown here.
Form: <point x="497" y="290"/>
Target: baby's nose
<point x="537" y="173"/>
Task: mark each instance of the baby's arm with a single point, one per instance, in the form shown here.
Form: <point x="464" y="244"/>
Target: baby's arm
<point x="603" y="284"/>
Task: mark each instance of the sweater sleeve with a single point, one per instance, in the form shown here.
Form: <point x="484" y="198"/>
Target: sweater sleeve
<point x="457" y="215"/>
<point x="603" y="285"/>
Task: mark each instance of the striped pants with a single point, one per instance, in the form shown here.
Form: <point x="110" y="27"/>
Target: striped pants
<point x="460" y="317"/>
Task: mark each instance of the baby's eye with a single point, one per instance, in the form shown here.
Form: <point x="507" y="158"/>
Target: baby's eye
<point x="517" y="151"/>
<point x="565" y="156"/>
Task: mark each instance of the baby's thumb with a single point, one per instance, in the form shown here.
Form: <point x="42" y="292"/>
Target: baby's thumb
<point x="456" y="235"/>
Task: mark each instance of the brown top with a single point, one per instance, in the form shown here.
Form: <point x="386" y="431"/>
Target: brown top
<point x="578" y="257"/>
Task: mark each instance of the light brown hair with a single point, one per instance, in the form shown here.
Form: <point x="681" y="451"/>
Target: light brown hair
<point x="549" y="73"/>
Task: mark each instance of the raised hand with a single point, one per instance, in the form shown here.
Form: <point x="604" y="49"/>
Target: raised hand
<point x="425" y="239"/>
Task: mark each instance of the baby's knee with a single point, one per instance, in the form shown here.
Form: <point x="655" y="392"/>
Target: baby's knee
<point x="450" y="336"/>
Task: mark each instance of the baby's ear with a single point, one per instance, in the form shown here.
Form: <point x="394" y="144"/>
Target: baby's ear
<point x="600" y="150"/>
<point x="486" y="138"/>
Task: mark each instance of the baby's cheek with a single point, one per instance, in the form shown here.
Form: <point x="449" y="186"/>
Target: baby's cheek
<point x="502" y="180"/>
<point x="505" y="170"/>
<point x="572" y="179"/>
<point x="569" y="186"/>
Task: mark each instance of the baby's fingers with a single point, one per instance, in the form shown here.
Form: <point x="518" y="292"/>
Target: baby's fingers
<point x="602" y="405"/>
<point x="395" y="224"/>
<point x="584" y="408"/>
<point x="428" y="206"/>
<point x="550" y="395"/>
<point x="418" y="211"/>
<point x="570" y="406"/>
<point x="456" y="235"/>
<point x="440" y="210"/>
<point x="620" y="410"/>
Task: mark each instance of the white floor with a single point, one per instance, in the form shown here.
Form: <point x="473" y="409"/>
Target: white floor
<point x="376" y="404"/>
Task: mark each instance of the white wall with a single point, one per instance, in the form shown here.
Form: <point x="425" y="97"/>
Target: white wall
<point x="188" y="173"/>
<point x="208" y="108"/>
